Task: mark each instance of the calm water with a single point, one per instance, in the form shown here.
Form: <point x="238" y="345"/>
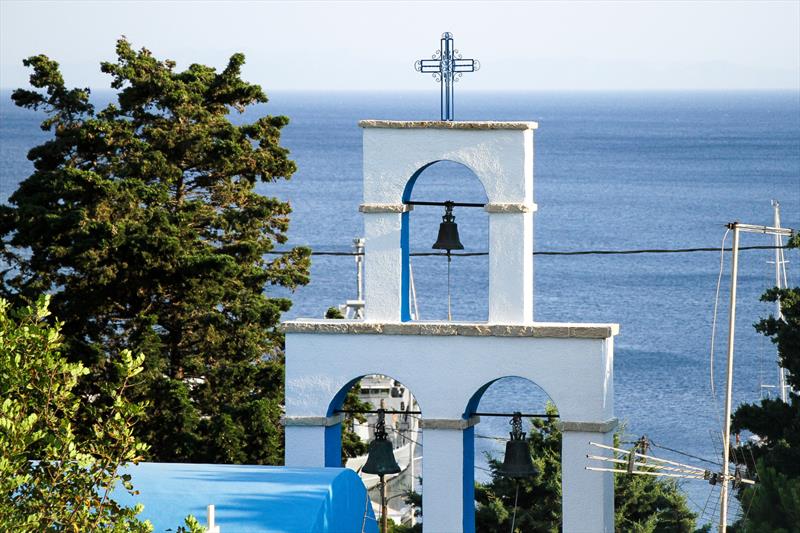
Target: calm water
<point x="613" y="171"/>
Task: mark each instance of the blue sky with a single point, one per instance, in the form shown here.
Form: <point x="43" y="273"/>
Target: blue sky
<point x="372" y="45"/>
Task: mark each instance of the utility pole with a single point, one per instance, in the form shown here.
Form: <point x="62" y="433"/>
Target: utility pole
<point x="726" y="435"/>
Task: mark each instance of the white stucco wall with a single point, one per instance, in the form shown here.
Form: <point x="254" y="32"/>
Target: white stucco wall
<point x="500" y="154"/>
<point x="501" y="157"/>
<point x="444" y="372"/>
<point x="446" y="364"/>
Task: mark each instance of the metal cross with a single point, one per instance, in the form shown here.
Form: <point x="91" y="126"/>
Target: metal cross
<point x="447" y="67"/>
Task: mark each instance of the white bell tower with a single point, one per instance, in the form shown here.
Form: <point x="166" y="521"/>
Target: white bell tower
<point x="448" y="365"/>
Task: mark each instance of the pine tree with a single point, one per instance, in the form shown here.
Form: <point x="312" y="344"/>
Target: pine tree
<point x="143" y="222"/>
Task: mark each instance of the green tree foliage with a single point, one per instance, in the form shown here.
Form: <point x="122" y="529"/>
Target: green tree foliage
<point x="52" y="479"/>
<point x="143" y="221"/>
<point x="352" y="444"/>
<point x="774" y="503"/>
<point x="644" y="504"/>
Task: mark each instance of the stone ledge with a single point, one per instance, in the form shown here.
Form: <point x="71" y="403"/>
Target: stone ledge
<point x="450" y="329"/>
<point x="385" y="208"/>
<point x="325" y="421"/>
<point x="449" y="423"/>
<point x="589" y="427"/>
<point x="510" y="208"/>
<point x="448" y="125"/>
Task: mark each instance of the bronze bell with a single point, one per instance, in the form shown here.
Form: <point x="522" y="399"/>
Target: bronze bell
<point x="517" y="461"/>
<point x="448" y="231"/>
<point x="380" y="459"/>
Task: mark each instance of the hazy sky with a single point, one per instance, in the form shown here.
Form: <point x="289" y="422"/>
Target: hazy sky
<point x="373" y="45"/>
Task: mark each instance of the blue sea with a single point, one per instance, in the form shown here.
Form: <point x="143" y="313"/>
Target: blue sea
<point x="613" y="170"/>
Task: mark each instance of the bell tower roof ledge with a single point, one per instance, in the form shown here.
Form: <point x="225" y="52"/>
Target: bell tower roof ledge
<point x="449" y="124"/>
<point x="552" y="330"/>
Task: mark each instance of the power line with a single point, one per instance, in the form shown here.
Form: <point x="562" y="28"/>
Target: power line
<point x="557" y="252"/>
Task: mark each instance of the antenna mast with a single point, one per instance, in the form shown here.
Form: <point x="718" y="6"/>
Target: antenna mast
<point x="737" y="227"/>
<point x="781" y="283"/>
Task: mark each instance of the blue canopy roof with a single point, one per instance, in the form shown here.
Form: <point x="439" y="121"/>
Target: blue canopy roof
<point x="250" y="498"/>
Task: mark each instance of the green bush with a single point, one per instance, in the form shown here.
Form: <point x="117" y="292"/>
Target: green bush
<point x="51" y="479"/>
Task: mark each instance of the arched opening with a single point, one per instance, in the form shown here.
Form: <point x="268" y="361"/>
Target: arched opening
<point x="425" y="276"/>
<point x="359" y="402"/>
<point x="537" y="497"/>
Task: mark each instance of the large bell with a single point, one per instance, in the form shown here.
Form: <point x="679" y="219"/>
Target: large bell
<point x="517" y="461"/>
<point x="380" y="459"/>
<point x="448" y="231"/>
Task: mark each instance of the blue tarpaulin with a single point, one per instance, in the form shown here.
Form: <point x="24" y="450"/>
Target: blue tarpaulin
<point x="250" y="498"/>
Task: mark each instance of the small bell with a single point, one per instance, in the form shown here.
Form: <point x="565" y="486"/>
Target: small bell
<point x="380" y="459"/>
<point x="448" y="232"/>
<point x="517" y="461"/>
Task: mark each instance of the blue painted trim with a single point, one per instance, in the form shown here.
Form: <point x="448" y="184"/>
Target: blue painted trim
<point x="472" y="404"/>
<point x="475" y="400"/>
<point x="468" y="491"/>
<point x="413" y="180"/>
<point x="333" y="445"/>
<point x="338" y="400"/>
<point x="405" y="270"/>
<point x="405" y="230"/>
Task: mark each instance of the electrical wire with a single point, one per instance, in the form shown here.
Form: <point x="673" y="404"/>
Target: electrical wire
<point x="714" y="326"/>
<point x="491" y="437"/>
<point x="656" y="467"/>
<point x="754" y="489"/>
<point x="555" y="252"/>
<point x="399" y="432"/>
<point x="653" y="444"/>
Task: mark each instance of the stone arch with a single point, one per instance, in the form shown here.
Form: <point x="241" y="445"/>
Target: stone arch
<point x="405" y="234"/>
<point x="333" y="437"/>
<point x="472" y="407"/>
<point x="502" y="163"/>
<point x="412" y="180"/>
<point x="500" y="155"/>
<point x="338" y="398"/>
<point x="405" y="437"/>
<point x="474" y="400"/>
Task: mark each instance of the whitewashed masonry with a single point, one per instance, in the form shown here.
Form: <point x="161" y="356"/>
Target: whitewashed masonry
<point x="448" y="365"/>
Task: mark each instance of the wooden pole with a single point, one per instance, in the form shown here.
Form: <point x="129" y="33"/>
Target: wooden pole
<point x="384" y="508"/>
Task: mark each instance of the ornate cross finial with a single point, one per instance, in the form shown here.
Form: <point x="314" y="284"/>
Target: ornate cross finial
<point x="447" y="67"/>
